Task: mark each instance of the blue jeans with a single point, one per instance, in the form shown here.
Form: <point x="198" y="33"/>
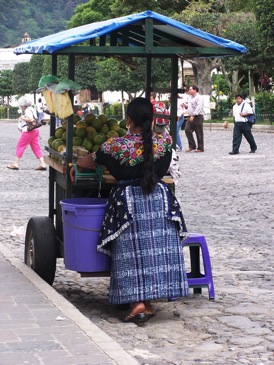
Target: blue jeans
<point x="179" y="126"/>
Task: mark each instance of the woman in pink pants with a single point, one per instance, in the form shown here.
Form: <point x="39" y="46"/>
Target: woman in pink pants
<point x="28" y="138"/>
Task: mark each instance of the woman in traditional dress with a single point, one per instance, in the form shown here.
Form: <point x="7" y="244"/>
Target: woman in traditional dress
<point x="143" y="226"/>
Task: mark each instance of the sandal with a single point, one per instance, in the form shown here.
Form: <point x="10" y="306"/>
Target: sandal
<point x="138" y="318"/>
<point x="41" y="168"/>
<point x="12" y="167"/>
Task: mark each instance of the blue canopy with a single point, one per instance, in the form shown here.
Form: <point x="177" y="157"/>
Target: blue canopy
<point x="177" y="34"/>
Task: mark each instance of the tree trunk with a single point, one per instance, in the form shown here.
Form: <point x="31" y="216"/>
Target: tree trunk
<point x="202" y="73"/>
<point x="235" y="82"/>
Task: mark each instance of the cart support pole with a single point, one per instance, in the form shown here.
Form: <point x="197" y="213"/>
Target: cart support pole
<point x="148" y="77"/>
<point x="52" y="131"/>
<point x="173" y="98"/>
<point x="69" y="144"/>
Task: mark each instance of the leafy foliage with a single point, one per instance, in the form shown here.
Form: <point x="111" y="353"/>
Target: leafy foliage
<point x="6" y="83"/>
<point x="163" y="7"/>
<point x="244" y="31"/>
<point x="20" y="78"/>
<point x="90" y="12"/>
<point x="114" y="75"/>
<point x="85" y="71"/>
<point x="35" y="71"/>
<point x="264" y="10"/>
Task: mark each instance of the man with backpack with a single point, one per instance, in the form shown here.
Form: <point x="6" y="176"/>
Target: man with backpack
<point x="242" y="127"/>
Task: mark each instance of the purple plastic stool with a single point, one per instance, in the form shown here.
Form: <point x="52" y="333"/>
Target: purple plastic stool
<point x="195" y="278"/>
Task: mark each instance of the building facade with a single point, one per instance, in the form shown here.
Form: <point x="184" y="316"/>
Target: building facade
<point x="8" y="59"/>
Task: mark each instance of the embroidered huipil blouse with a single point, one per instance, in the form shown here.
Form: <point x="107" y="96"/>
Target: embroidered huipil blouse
<point x="123" y="157"/>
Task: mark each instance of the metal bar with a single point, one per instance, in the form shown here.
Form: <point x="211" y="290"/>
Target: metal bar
<point x="148" y="35"/>
<point x="173" y="98"/>
<point x="102" y="41"/>
<point x="148" y="77"/>
<point x="113" y="38"/>
<point x="69" y="144"/>
<point x="190" y="52"/>
<point x="52" y="130"/>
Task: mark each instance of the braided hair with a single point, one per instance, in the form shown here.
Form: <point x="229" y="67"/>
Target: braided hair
<point x="140" y="111"/>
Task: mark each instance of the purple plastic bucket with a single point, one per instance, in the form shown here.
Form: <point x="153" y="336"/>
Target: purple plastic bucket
<point x="82" y="222"/>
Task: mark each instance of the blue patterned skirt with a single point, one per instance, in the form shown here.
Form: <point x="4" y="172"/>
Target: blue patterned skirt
<point x="147" y="256"/>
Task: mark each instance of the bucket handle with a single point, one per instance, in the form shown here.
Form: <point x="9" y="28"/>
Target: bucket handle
<point x="72" y="209"/>
<point x="82" y="228"/>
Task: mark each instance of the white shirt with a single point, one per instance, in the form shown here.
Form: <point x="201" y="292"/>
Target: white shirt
<point x="237" y="109"/>
<point x="30" y="112"/>
<point x="196" y="105"/>
<point x="181" y="102"/>
<point x="40" y="108"/>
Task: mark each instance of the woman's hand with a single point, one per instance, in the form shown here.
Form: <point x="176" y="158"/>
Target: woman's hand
<point x="72" y="174"/>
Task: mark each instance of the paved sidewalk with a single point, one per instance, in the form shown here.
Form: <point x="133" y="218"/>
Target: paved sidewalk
<point x="39" y="326"/>
<point x="227" y="198"/>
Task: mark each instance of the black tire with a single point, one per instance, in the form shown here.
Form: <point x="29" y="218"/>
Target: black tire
<point x="40" y="247"/>
<point x="123" y="307"/>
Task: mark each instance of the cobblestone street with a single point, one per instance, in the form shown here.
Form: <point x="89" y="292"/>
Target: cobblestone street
<point x="227" y="198"/>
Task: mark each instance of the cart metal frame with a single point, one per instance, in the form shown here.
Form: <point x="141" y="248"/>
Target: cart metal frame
<point x="147" y="35"/>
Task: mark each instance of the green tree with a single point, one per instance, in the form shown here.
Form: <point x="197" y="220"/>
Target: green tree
<point x="203" y="15"/>
<point x="62" y="66"/>
<point x="35" y="72"/>
<point x="228" y="19"/>
<point x="20" y="78"/>
<point x="6" y="89"/>
<point x="114" y="75"/>
<point x="127" y="7"/>
<point x="243" y="30"/>
<point x="85" y="71"/>
<point x="264" y="10"/>
<point x="90" y="12"/>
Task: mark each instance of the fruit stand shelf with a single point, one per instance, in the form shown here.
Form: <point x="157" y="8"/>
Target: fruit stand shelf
<point x="107" y="178"/>
<point x="54" y="164"/>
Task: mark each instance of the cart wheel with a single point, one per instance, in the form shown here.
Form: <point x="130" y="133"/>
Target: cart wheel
<point x="40" y="247"/>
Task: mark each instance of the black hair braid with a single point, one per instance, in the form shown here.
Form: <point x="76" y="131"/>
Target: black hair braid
<point x="149" y="180"/>
<point x="140" y="111"/>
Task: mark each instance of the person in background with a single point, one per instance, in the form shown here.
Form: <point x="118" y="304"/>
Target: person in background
<point x="153" y="99"/>
<point x="85" y="109"/>
<point x="40" y="110"/>
<point x="195" y="120"/>
<point x="241" y="128"/>
<point x="182" y="104"/>
<point x="143" y="226"/>
<point x="27" y="138"/>
<point x="246" y="98"/>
